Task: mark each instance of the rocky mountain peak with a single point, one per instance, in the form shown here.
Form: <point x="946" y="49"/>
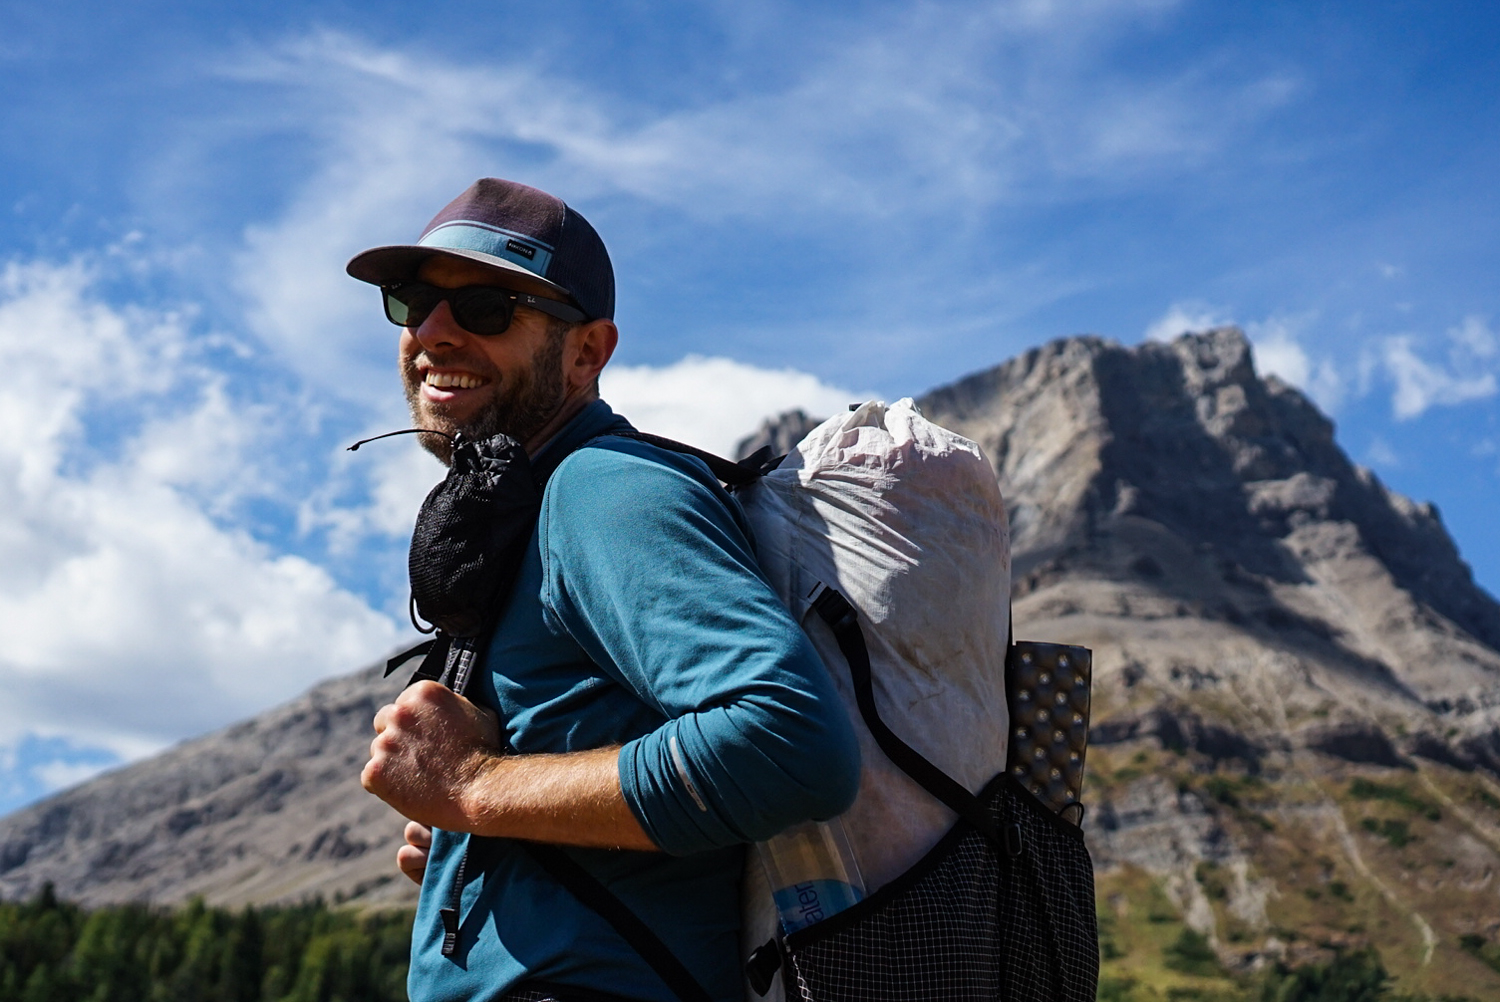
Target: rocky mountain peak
<point x="1084" y="432"/>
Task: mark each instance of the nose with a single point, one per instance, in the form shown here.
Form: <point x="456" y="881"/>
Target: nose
<point x="440" y="332"/>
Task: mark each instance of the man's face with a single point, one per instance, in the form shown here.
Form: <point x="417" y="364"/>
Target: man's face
<point x="480" y="385"/>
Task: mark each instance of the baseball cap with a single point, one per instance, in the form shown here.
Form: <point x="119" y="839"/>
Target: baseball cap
<point x="543" y="244"/>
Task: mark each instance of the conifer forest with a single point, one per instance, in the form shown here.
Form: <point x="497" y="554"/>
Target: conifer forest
<point x="51" y="950"/>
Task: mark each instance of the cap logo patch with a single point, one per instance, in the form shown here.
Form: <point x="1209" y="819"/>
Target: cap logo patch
<point x="468" y="234"/>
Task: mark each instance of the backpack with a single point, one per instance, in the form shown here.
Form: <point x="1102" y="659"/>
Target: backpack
<point x="885" y="536"/>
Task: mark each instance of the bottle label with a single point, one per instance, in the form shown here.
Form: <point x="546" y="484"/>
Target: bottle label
<point x="812" y="901"/>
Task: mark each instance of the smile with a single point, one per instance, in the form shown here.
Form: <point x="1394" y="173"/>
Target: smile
<point x="453" y="380"/>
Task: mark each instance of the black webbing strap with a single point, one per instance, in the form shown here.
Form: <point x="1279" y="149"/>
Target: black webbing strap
<point x="732" y="473"/>
<point x="449" y="913"/>
<point x="840" y="616"/>
<point x="419" y="651"/>
<point x="588" y="889"/>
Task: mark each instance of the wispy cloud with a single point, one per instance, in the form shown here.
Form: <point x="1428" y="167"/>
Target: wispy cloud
<point x="1382" y="455"/>
<point x="1280" y="351"/>
<point x="1184" y="317"/>
<point x="1469" y="371"/>
<point x="892" y="130"/>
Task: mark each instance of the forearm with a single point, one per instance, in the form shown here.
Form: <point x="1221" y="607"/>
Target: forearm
<point x="568" y="799"/>
<point x="436" y="759"/>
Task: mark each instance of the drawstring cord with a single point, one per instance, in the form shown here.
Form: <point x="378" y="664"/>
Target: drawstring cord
<point x="411" y="604"/>
<point x="404" y="431"/>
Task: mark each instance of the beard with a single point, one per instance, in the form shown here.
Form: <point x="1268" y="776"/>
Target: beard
<point x="520" y="407"/>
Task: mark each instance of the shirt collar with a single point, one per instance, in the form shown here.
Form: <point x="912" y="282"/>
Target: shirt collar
<point x="590" y="423"/>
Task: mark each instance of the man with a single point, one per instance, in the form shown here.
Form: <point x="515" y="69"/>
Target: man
<point x="645" y="700"/>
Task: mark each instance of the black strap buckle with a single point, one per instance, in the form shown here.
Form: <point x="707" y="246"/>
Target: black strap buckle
<point x="761" y="968"/>
<point x="449" y="917"/>
<point x="834" y="608"/>
<point x="1015" y="844"/>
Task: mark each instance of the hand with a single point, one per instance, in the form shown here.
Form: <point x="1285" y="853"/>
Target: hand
<point x="430" y="745"/>
<point x="411" y="858"/>
<point x="437" y="759"/>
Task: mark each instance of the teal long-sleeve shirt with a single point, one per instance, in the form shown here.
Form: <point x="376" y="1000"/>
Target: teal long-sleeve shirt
<point x="640" y="618"/>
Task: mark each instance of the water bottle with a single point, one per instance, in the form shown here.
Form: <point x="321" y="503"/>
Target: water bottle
<point x="813" y="873"/>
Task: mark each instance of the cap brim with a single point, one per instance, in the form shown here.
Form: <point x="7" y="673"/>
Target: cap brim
<point x="400" y="263"/>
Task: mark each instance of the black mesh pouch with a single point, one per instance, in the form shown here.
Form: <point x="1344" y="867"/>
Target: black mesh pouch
<point x="969" y="923"/>
<point x="471" y="534"/>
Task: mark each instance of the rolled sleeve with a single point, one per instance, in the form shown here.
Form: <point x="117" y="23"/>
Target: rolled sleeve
<point x="648" y="565"/>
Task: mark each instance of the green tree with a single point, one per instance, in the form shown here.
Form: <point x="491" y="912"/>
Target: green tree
<point x="1358" y="976"/>
<point x="104" y="959"/>
<point x="244" y="949"/>
<point x="1192" y="954"/>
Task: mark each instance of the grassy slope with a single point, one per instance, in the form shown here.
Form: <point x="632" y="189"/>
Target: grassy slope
<point x="1346" y="857"/>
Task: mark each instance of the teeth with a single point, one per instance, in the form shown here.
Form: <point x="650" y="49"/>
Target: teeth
<point x="449" y="380"/>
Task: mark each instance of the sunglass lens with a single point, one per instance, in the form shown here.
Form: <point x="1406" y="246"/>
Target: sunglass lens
<point x="408" y="305"/>
<point x="482" y="310"/>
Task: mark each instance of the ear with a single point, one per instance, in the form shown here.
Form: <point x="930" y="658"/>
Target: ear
<point x="590" y="347"/>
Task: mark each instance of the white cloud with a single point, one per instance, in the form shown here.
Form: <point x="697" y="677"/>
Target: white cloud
<point x="1279" y="352"/>
<point x="1473" y="338"/>
<point x="714" y="402"/>
<point x="57" y="775"/>
<point x="1381" y="454"/>
<point x="1281" y="355"/>
<point x="133" y="617"/>
<point x="1470" y="372"/>
<point x="1182" y="318"/>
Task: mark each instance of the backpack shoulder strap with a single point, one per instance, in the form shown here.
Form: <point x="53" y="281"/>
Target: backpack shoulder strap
<point x="589" y="890"/>
<point x="734" y="474"/>
<point x="835" y="610"/>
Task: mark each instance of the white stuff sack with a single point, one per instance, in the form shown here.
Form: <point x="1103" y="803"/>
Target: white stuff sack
<point x="905" y="520"/>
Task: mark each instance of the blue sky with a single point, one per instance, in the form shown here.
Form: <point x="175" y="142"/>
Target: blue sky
<point x="804" y="205"/>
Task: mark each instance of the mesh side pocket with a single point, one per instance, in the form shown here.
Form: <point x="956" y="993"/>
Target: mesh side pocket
<point x="973" y="925"/>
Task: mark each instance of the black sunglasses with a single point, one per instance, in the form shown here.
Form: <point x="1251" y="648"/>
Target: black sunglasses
<point x="479" y="309"/>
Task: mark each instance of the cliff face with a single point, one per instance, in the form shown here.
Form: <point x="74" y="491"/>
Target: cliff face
<point x="1296" y="733"/>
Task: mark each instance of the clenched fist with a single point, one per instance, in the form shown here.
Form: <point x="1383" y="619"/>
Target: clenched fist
<point x="431" y="746"/>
